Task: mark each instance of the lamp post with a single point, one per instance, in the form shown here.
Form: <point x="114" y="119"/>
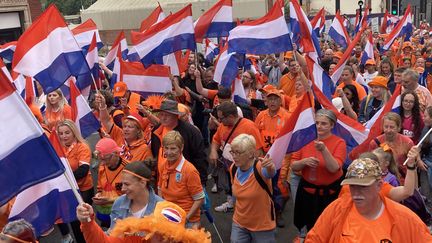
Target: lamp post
<point x="360" y="4"/>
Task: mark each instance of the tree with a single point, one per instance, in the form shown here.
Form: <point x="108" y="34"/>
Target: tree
<point x="69" y="7"/>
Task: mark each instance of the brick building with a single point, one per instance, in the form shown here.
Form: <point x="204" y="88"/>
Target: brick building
<point x="16" y="16"/>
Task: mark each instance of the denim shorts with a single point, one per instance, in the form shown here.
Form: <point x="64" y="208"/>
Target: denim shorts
<point x="242" y="235"/>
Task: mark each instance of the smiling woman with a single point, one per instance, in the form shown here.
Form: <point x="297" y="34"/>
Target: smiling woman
<point x="320" y="163"/>
<point x="179" y="180"/>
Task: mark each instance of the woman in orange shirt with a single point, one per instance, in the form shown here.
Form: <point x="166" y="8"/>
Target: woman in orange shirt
<point x="130" y="137"/>
<point x="320" y="163"/>
<point x="254" y="215"/>
<point x="179" y="180"/>
<point x="57" y="109"/>
<point x="78" y="154"/>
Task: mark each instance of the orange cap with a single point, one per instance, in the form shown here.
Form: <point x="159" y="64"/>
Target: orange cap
<point x="267" y="88"/>
<point x="379" y="81"/>
<point x="120" y="89"/>
<point x="274" y="92"/>
<point x="407" y="44"/>
<point x="370" y="62"/>
<point x="338" y="54"/>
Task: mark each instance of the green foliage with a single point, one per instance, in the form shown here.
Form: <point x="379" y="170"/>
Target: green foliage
<point x="68" y="7"/>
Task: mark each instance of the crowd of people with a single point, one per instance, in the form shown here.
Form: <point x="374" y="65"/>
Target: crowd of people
<point x="157" y="156"/>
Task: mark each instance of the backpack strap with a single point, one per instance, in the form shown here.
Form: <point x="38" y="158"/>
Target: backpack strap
<point x="377" y="141"/>
<point x="264" y="186"/>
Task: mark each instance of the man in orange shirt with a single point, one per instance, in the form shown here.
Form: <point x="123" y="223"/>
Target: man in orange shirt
<point x="367" y="216"/>
<point x="347" y="77"/>
<point x="269" y="123"/>
<point x="232" y="126"/>
<point x="125" y="96"/>
<point x="287" y="81"/>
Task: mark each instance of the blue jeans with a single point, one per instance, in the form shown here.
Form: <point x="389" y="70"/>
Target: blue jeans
<point x="242" y="235"/>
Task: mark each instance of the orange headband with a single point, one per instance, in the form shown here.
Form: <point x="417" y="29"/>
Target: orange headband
<point x="141" y="177"/>
<point x="16" y="239"/>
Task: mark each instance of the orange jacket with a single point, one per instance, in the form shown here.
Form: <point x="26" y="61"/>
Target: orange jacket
<point x="406" y="226"/>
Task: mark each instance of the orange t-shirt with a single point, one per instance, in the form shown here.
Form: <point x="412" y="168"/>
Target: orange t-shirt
<point x="137" y="151"/>
<point x="180" y="183"/>
<point x="252" y="207"/>
<point x="80" y="154"/>
<point x="245" y="126"/>
<point x="287" y="84"/>
<point x="336" y="147"/>
<point x="270" y="127"/>
<point x="360" y="90"/>
<point x="360" y="229"/>
<point x="52" y="118"/>
<point x="110" y="180"/>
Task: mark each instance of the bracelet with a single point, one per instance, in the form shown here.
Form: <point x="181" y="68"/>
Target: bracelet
<point x="414" y="167"/>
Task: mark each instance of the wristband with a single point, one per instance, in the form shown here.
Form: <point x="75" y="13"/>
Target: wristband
<point x="411" y="167"/>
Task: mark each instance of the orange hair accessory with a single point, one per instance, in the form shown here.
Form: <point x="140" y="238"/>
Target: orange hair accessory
<point x="141" y="177"/>
<point x="385" y="147"/>
<point x="168" y="220"/>
<point x="153" y="101"/>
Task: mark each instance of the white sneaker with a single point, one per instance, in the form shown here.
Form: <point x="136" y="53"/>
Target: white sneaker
<point x="214" y="189"/>
<point x="67" y="239"/>
<point x="225" y="207"/>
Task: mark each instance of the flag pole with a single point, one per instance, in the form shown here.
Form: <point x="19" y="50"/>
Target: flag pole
<point x="421" y="141"/>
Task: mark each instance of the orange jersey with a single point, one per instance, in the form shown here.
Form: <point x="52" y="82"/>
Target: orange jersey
<point x="287" y="84"/>
<point x="80" y="154"/>
<point x="52" y="118"/>
<point x="336" y="147"/>
<point x="270" y="127"/>
<point x="252" y="203"/>
<point x="180" y="183"/>
<point x="110" y="180"/>
<point x="245" y="126"/>
<point x="136" y="151"/>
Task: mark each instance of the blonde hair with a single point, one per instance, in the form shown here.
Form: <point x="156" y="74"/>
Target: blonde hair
<point x="173" y="137"/>
<point x="135" y="122"/>
<point x="62" y="101"/>
<point x="244" y="142"/>
<point x="73" y="128"/>
<point x="388" y="156"/>
<point x="392" y="116"/>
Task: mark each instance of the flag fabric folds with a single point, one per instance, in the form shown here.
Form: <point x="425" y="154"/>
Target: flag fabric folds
<point x="215" y="22"/>
<point x="146" y="81"/>
<point x="338" y="32"/>
<point x="320" y="78"/>
<point x="226" y="67"/>
<point x="155" y="17"/>
<point x="403" y="28"/>
<point x="7" y="50"/>
<point x="172" y="34"/>
<point x="26" y="156"/>
<point x="84" y="82"/>
<point x="48" y="52"/>
<point x="211" y="50"/>
<point x="303" y="34"/>
<point x="299" y="130"/>
<point x="368" y="52"/>
<point x="45" y="203"/>
<point x="265" y="35"/>
<point x="82" y="115"/>
<point x="318" y="22"/>
<point x="84" y="33"/>
<point x="119" y="42"/>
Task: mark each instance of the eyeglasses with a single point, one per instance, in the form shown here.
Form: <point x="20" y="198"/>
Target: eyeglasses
<point x="247" y="77"/>
<point x="408" y="101"/>
<point x="105" y="158"/>
<point x="237" y="153"/>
